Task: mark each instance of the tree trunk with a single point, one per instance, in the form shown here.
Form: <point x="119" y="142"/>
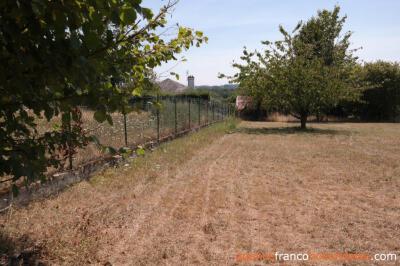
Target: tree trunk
<point x="303" y="121"/>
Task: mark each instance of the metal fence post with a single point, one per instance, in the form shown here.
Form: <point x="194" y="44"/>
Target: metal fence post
<point x="199" y="112"/>
<point x="207" y="112"/>
<point x="213" y="113"/>
<point x="125" y="127"/>
<point x="70" y="148"/>
<point x="158" y="119"/>
<point x="176" y="117"/>
<point x="225" y="111"/>
<point x="189" y="111"/>
<point x="125" y="130"/>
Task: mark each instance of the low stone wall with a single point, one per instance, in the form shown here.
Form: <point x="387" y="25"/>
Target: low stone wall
<point x="57" y="182"/>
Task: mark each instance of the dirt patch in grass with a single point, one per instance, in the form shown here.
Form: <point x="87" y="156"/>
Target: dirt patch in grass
<point x="265" y="188"/>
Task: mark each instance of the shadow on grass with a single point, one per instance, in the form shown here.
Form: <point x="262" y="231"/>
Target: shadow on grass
<point x="291" y="130"/>
<point x="19" y="252"/>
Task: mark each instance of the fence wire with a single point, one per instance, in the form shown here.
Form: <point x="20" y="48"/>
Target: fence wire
<point x="153" y="119"/>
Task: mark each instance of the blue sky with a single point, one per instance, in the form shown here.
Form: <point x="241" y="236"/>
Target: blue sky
<point x="232" y="24"/>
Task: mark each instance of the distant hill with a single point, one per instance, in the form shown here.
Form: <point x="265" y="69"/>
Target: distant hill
<point x="171" y="86"/>
<point x="220" y="87"/>
<point x="222" y="93"/>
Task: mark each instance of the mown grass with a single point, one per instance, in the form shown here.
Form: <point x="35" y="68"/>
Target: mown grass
<point x="171" y="154"/>
<point x="68" y="228"/>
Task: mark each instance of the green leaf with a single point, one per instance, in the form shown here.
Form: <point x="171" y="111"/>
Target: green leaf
<point x="100" y="116"/>
<point x="158" y="105"/>
<point x="140" y="151"/>
<point x="128" y="15"/>
<point x="56" y="127"/>
<point x="175" y="74"/>
<point x="110" y="150"/>
<point x="199" y="34"/>
<point x="125" y="150"/>
<point x="92" y="40"/>
<point x="147" y="13"/>
<point x="109" y="119"/>
<point x="95" y="140"/>
<point x="137" y="92"/>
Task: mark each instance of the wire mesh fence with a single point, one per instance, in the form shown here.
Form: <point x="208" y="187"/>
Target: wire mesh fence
<point x="153" y="120"/>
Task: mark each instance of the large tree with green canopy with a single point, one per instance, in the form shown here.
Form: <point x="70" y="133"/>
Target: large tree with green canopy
<point x="307" y="72"/>
<point x="58" y="55"/>
<point x="380" y="100"/>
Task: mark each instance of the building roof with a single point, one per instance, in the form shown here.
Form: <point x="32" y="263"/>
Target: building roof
<point x="169" y="85"/>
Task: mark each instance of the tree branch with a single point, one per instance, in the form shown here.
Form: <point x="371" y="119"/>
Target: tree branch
<point x="162" y="12"/>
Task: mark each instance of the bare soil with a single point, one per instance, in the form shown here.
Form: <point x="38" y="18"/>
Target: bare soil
<point x="266" y="188"/>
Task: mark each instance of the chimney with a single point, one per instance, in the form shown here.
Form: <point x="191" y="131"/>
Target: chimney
<point x="191" y="82"/>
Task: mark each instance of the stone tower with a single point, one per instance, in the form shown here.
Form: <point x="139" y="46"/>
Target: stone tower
<point x="190" y="82"/>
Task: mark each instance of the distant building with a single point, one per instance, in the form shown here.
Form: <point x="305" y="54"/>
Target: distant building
<point x="171" y="86"/>
<point x="243" y="102"/>
<point x="190" y="82"/>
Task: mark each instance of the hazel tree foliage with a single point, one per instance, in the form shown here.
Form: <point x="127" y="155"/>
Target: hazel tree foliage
<point x="58" y="55"/>
<point x="307" y="72"/>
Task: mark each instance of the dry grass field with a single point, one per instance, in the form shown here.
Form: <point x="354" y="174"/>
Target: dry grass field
<point x="207" y="197"/>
